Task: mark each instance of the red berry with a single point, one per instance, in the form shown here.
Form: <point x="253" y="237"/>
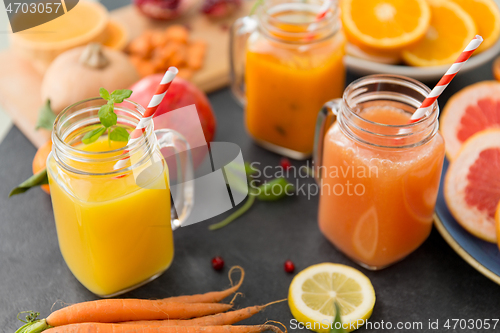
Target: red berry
<point x="218" y="263"/>
<point x="285" y="163"/>
<point x="289" y="266"/>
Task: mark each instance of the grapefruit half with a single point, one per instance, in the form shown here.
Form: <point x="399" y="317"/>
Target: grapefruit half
<point x="472" y="184"/>
<point x="469" y="111"/>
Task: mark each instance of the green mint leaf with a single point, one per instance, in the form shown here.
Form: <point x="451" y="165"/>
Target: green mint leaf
<point x="337" y="321"/>
<point x="119" y="134"/>
<point x="93" y="135"/>
<point x="104" y="94"/>
<point x="107" y="116"/>
<point x="46" y="117"/>
<point x="119" y="95"/>
<point x="37" y="179"/>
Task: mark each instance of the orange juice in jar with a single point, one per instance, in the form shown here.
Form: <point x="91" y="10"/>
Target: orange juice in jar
<point x="287" y="68"/>
<point x="379" y="175"/>
<point x="114" y="226"/>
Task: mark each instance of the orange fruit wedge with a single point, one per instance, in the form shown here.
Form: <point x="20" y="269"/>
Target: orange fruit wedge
<point x="496" y="69"/>
<point x="384" y="25"/>
<point x="469" y="111"/>
<point x="40" y="161"/>
<point x="486" y="16"/>
<point x="472" y="184"/>
<point x="450" y="30"/>
<point x="116" y="36"/>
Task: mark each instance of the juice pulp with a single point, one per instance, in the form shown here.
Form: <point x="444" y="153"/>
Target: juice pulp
<point x="112" y="233"/>
<point x="286" y="86"/>
<point x="377" y="204"/>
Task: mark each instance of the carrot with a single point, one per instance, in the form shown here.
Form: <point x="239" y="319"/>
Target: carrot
<point x="214" y="296"/>
<point x="118" y="310"/>
<point x="227" y="318"/>
<point x="117" y="328"/>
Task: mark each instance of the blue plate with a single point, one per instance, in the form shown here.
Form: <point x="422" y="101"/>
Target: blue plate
<point x="483" y="256"/>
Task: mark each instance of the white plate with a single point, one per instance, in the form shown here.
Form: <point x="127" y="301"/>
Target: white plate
<point x="366" y="67"/>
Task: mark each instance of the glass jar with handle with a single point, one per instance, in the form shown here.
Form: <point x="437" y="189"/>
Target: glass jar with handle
<point x="285" y="64"/>
<point x="115" y="226"/>
<point x="378" y="174"/>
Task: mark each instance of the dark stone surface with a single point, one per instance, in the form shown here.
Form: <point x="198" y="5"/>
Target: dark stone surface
<point x="432" y="283"/>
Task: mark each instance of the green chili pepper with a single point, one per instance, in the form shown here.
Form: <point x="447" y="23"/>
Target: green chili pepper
<point x="274" y="190"/>
<point x="270" y="191"/>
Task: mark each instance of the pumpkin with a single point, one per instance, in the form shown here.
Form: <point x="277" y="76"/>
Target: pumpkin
<point x="78" y="74"/>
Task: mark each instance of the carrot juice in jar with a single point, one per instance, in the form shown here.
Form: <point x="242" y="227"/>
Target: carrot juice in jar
<point x="379" y="175"/>
<point x="113" y="226"/>
<point x="292" y="66"/>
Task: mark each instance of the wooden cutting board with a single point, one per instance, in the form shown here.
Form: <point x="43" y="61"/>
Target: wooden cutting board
<point x="20" y="83"/>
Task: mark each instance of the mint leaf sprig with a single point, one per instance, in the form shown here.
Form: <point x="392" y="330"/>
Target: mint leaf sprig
<point x="108" y="118"/>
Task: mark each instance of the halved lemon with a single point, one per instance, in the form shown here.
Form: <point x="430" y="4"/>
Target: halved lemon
<point x="384" y="25"/>
<point x="314" y="291"/>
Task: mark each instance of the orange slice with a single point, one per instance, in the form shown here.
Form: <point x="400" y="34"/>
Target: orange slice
<point x="450" y="31"/>
<point x="116" y="36"/>
<point x="486" y="15"/>
<point x="384" y="25"/>
<point x="472" y="185"/>
<point x="469" y="111"/>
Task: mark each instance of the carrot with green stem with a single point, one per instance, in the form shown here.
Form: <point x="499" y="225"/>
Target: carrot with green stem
<point x="227" y="318"/>
<point x="214" y="296"/>
<point x="118" y="328"/>
<point x="118" y="310"/>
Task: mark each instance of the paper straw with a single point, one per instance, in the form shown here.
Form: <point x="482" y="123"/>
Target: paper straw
<point x="149" y="113"/>
<point x="446" y="79"/>
<point x="324" y="9"/>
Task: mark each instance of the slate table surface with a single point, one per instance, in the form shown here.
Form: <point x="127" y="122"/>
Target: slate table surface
<point x="433" y="283"/>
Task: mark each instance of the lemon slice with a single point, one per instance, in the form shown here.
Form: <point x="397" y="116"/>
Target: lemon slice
<point x="314" y="290"/>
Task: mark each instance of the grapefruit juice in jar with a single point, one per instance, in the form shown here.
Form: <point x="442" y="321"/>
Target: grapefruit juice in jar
<point x="379" y="175"/>
<point x="293" y="65"/>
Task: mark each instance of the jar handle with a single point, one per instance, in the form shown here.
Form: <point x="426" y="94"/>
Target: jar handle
<point x="184" y="198"/>
<point x="240" y="31"/>
<point x="326" y="118"/>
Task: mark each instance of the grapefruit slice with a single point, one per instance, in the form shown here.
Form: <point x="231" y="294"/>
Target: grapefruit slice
<point x="472" y="184"/>
<point x="469" y="111"/>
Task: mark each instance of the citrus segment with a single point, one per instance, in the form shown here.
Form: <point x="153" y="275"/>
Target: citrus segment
<point x="450" y="30"/>
<point x="314" y="291"/>
<point x="469" y="111"/>
<point x="384" y="24"/>
<point x="472" y="184"/>
<point x="486" y="16"/>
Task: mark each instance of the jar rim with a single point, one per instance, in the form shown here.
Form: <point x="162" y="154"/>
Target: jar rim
<point x="328" y="25"/>
<point x="63" y="150"/>
<point x="387" y="135"/>
<point x="55" y="133"/>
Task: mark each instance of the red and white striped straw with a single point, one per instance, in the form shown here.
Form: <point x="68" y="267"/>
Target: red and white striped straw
<point x="324" y="9"/>
<point x="446" y="79"/>
<point x="149" y="113"/>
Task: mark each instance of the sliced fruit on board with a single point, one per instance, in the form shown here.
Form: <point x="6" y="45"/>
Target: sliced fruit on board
<point x="486" y="15"/>
<point x="314" y="290"/>
<point x="469" y="111"/>
<point x="450" y="30"/>
<point x="472" y="184"/>
<point x="385" y="25"/>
